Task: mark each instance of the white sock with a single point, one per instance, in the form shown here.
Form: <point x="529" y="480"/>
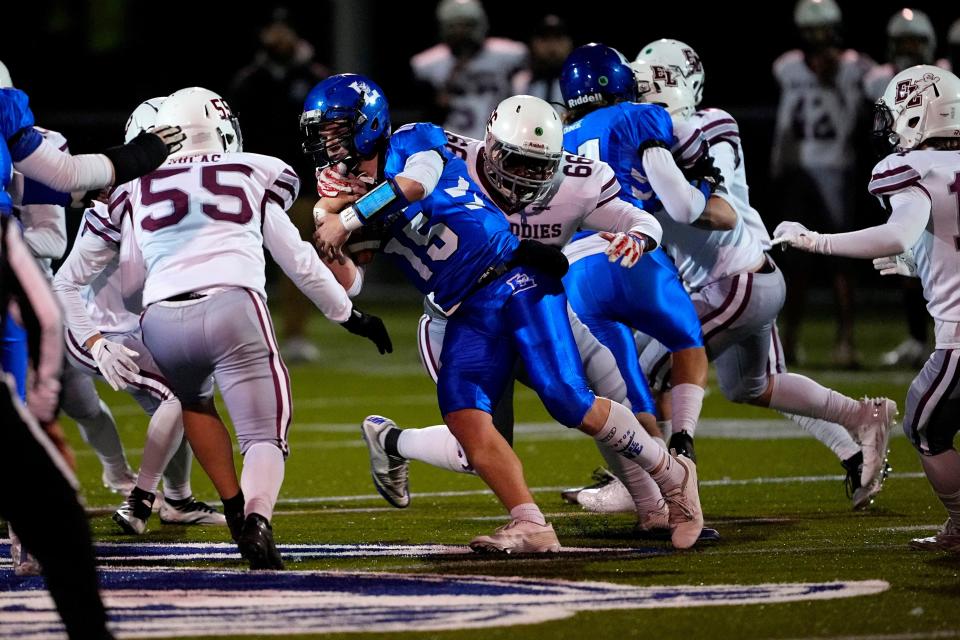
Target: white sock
<point x="666" y="428"/>
<point x="262" y="476"/>
<point x="622" y="434"/>
<point x="644" y="491"/>
<point x="100" y="432"/>
<point x="528" y="512"/>
<point x="835" y="437"/>
<point x="793" y="393"/>
<point x="176" y="477"/>
<point x="164" y="437"/>
<point x="434" y="445"/>
<point x="686" y="400"/>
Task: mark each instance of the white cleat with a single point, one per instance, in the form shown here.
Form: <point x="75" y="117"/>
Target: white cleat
<point x="656" y="520"/>
<point x="122" y="481"/>
<point x="683" y="501"/>
<point x="133" y="514"/>
<point x="518" y="536"/>
<point x="948" y="539"/>
<point x="909" y="353"/>
<point x="298" y="350"/>
<point x="612" y="497"/>
<point x="390" y="474"/>
<point x="878" y="418"/>
<point x="24" y="564"/>
<point x="190" y="511"/>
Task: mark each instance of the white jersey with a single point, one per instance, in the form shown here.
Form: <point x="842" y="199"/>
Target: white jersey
<point x="45" y="225"/>
<point x="815" y="121"/>
<point x="201" y="222"/>
<point x="937" y="253"/>
<point x="583" y="196"/>
<point x="89" y="283"/>
<point x="476" y="87"/>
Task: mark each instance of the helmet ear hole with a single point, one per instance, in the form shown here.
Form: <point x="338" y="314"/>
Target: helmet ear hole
<point x="913" y="122"/>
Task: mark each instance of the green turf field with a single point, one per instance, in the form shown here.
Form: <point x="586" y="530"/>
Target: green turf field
<point x="773" y="531"/>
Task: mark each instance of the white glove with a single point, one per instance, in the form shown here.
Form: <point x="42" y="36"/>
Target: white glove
<point x="334" y="181"/>
<point x="43" y="398"/>
<point x="113" y="360"/>
<point x="625" y="246"/>
<point x="901" y="265"/>
<point x="797" y="236"/>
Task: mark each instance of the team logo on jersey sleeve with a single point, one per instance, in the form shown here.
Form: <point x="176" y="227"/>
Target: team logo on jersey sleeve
<point x="521" y="282"/>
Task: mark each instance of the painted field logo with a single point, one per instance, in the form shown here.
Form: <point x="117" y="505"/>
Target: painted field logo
<point x="147" y="603"/>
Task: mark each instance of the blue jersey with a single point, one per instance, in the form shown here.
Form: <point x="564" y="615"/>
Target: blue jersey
<point x="6" y="172"/>
<point x="16" y="117"/>
<point x="446" y="241"/>
<point x="615" y="134"/>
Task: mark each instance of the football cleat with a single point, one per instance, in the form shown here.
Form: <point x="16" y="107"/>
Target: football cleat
<point x="948" y="539"/>
<point x="24" y="564"/>
<point x="122" y="481"/>
<point x="601" y="478"/>
<point x="862" y="497"/>
<point x="683" y="501"/>
<point x="390" y="473"/>
<point x="682" y="443"/>
<point x="877" y="420"/>
<point x="612" y="497"/>
<point x="518" y="536"/>
<point x="256" y="543"/>
<point x="133" y="514"/>
<point x="190" y="511"/>
<point x="298" y="350"/>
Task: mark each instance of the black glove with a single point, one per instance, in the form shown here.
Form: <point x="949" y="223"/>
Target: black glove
<point x="704" y="175"/>
<point x="144" y="153"/>
<point x="548" y="259"/>
<point x="370" y="327"/>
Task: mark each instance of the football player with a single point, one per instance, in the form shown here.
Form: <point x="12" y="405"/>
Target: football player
<point x="103" y="339"/>
<point x="503" y="298"/>
<point x="738" y="291"/>
<point x="605" y="123"/>
<point x="205" y="306"/>
<point x="812" y="159"/>
<point x="917" y="123"/>
<point x="547" y="195"/>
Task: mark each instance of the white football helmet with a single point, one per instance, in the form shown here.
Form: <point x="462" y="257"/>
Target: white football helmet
<point x="920" y="103"/>
<point x="816" y="13"/>
<point x="912" y="39"/>
<point x="205" y="118"/>
<point x="5" y="81"/>
<point x="523" y="148"/>
<point x="680" y="57"/>
<point x="663" y="85"/>
<point x="467" y="14"/>
<point x="142" y="118"/>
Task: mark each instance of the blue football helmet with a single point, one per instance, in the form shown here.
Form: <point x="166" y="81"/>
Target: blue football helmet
<point x="345" y="119"/>
<point x="596" y="73"/>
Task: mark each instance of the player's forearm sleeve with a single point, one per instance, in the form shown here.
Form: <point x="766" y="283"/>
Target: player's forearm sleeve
<point x="909" y="217"/>
<point x="682" y="201"/>
<point x="45" y="230"/>
<point x="424" y="167"/>
<point x="89" y="257"/>
<point x="299" y="260"/>
<point x="63" y="172"/>
<point x="620" y="216"/>
<point x="39" y="303"/>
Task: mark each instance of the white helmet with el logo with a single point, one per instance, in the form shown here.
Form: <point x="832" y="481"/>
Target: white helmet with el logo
<point x="680" y="57"/>
<point x="523" y="148"/>
<point x="205" y="118"/>
<point x="663" y="85"/>
<point x="920" y="103"/>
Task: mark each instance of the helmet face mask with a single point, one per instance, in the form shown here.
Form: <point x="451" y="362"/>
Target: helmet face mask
<point x="519" y="177"/>
<point x="329" y="142"/>
<point x="882" y="136"/>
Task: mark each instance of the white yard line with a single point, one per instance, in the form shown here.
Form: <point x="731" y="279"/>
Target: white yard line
<point x="919" y="635"/>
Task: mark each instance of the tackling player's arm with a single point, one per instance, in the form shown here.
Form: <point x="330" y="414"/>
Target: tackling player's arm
<point x="682" y="201"/>
<point x="45" y="230"/>
<point x="719" y="214"/>
<point x="630" y="230"/>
